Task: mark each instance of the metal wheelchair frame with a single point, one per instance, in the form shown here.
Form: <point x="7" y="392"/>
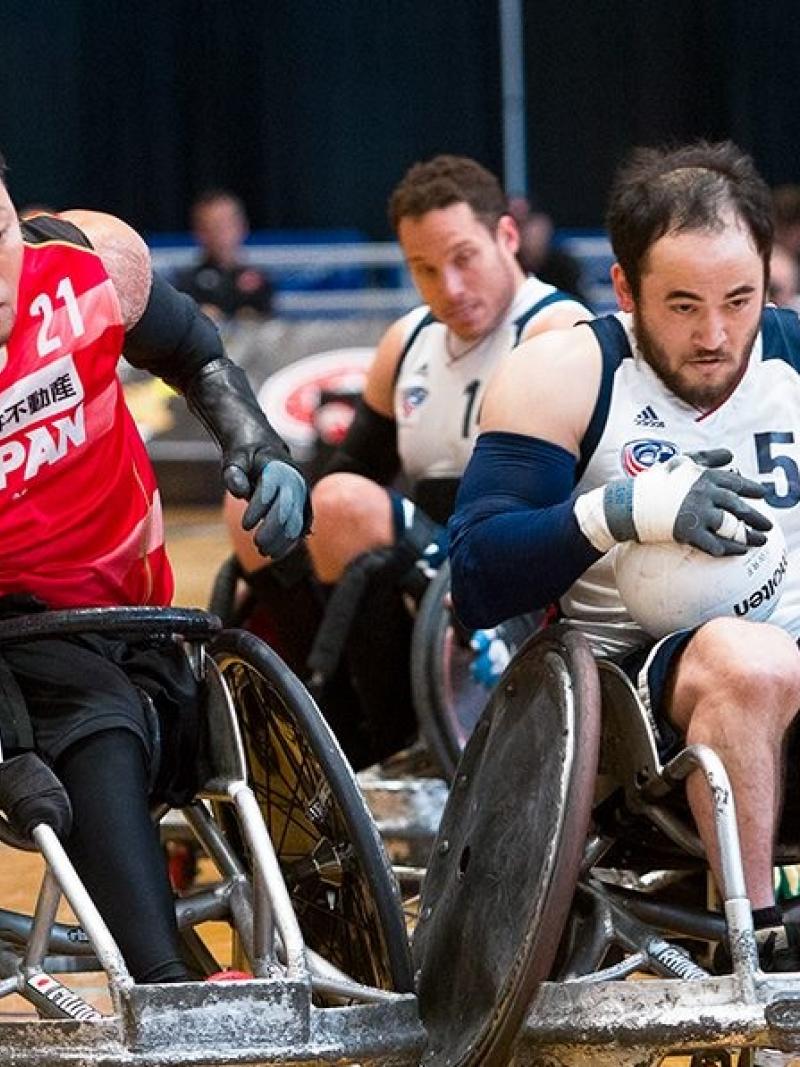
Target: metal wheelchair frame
<point x="298" y="1007"/>
<point x="623" y="988"/>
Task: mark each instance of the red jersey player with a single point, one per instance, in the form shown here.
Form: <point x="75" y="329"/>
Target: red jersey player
<point x="81" y="526"/>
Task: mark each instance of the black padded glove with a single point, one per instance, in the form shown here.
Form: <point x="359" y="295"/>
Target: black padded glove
<point x="256" y="464"/>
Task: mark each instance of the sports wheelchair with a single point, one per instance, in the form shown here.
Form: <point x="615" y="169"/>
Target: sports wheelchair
<point x="565" y="917"/>
<point x="406" y="794"/>
<point x="300" y="877"/>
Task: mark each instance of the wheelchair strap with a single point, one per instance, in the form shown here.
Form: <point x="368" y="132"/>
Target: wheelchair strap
<point x="16" y="732"/>
<point x="340" y="612"/>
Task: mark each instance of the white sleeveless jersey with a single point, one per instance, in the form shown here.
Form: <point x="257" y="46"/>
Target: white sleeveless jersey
<point x="638" y="421"/>
<point x="437" y="398"/>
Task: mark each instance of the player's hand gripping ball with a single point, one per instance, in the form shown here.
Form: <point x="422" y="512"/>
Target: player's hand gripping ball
<point x="669" y="586"/>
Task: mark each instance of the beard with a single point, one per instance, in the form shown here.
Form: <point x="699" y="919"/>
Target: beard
<point x="700" y="394"/>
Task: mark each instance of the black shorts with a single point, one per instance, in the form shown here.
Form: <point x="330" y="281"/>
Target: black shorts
<point x="75" y="686"/>
<point x="648" y="668"/>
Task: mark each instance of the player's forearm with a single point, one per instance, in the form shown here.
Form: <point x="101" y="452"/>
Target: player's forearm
<point x="515" y="542"/>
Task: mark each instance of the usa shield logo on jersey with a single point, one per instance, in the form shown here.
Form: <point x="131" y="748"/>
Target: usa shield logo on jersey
<point x="645" y="452"/>
<point x="412" y="398"/>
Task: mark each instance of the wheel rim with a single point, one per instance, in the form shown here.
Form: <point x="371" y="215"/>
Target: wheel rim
<point x="507" y="855"/>
<point x="329" y="888"/>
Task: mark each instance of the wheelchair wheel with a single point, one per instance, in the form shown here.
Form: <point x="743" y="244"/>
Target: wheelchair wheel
<point x="448" y="700"/>
<point x="507" y="857"/>
<point x="338" y="875"/>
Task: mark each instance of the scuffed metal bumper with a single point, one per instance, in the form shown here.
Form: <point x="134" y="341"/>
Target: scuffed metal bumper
<point x="638" y="1022"/>
<point x="220" y="1025"/>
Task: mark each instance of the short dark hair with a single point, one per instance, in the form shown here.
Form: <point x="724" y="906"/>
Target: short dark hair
<point x="674" y="190"/>
<point x="3" y="168"/>
<point x="446" y="180"/>
<point x="213" y="196"/>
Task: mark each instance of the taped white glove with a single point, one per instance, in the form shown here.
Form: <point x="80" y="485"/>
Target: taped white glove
<point x="684" y="500"/>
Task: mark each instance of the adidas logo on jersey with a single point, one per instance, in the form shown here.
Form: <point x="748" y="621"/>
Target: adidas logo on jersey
<point x="649" y="417"/>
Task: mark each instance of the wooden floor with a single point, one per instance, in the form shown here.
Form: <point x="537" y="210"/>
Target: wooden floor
<point x="197" y="544"/>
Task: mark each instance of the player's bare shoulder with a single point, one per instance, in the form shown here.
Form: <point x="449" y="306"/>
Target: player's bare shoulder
<point x="547" y="387"/>
<point x="379" y="386"/>
<point x="125" y="256"/>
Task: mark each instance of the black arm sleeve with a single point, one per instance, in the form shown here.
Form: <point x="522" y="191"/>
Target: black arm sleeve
<point x="370" y="447"/>
<point x="173" y="339"/>
<point x="515" y="543"/>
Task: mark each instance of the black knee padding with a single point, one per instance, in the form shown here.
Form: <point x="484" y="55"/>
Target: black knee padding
<point x="30" y="794"/>
<point x="378" y="656"/>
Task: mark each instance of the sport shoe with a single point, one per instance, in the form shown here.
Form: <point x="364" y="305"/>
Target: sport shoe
<point x="778" y="953"/>
<point x="781" y="951"/>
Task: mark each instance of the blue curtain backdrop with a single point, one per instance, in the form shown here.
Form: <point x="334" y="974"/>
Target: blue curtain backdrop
<point x="312" y="109"/>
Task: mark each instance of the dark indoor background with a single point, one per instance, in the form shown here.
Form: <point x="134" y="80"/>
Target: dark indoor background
<point x="312" y="109"/>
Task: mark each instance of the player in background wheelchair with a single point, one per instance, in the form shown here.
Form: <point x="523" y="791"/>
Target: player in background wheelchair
<point x="82" y="528"/>
<point x="668" y="470"/>
<point x="387" y="491"/>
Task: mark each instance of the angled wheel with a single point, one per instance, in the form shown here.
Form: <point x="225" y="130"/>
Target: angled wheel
<point x="337" y="872"/>
<point x="507" y="856"/>
<point x="448" y="699"/>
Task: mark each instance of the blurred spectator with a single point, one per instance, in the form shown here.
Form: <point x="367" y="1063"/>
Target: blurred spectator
<point x="784" y="278"/>
<point x="222" y="283"/>
<point x="786" y="208"/>
<point x="537" y="254"/>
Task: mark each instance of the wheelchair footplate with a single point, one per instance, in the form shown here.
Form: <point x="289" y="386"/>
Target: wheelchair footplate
<point x="260" y="1021"/>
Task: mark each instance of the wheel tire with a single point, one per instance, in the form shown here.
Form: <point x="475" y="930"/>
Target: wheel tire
<point x="447" y="700"/>
<point x="339" y="878"/>
<point x="506" y="861"/>
<point x="440" y="661"/>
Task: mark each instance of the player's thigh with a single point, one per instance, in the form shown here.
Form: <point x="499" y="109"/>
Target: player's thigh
<point x="71" y="689"/>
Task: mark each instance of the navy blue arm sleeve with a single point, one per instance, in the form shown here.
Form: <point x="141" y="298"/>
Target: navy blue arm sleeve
<point x="515" y="544"/>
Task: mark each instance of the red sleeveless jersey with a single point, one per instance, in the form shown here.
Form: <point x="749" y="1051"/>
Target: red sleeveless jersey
<point x="80" y="515"/>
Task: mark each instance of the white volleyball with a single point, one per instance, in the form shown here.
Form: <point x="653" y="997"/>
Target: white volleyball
<point x="667" y="587"/>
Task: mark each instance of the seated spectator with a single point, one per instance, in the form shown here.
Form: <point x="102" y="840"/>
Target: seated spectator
<point x="222" y="283"/>
<point x="537" y="254"/>
<point x="786" y="210"/>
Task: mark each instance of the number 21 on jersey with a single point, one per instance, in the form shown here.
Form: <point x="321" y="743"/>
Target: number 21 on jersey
<point x="43" y="306"/>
